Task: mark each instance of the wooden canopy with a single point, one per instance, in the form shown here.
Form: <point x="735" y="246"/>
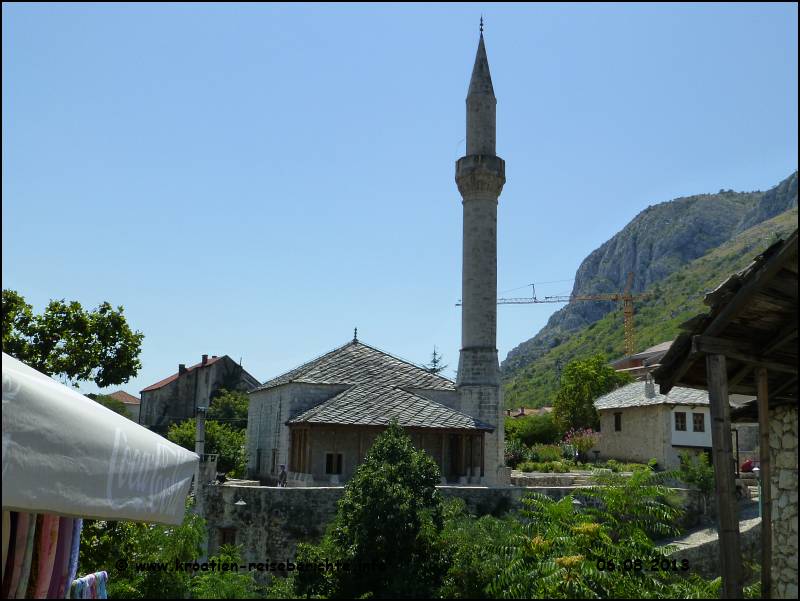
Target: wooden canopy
<point x="746" y="344"/>
<point x="752" y="322"/>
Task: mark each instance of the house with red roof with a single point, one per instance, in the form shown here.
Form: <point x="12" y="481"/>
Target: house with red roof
<point x="131" y="403"/>
<point x="177" y="397"/>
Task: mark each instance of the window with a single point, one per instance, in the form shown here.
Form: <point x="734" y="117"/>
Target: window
<point x="698" y="422"/>
<point x="333" y="463"/>
<point x="227" y="536"/>
<point x="680" y="421"/>
<point x="618" y="422"/>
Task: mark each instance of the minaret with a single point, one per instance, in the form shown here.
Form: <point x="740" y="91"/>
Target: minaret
<point x="480" y="176"/>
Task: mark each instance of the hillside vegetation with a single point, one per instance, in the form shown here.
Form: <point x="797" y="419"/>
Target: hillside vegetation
<point x="656" y="243"/>
<point x="672" y="301"/>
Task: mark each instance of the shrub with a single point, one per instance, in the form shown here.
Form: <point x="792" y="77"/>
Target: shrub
<point x="230" y="584"/>
<point x="583" y="440"/>
<point x="556" y="550"/>
<point x="533" y="429"/>
<point x="515" y="452"/>
<point x="544" y="453"/>
<point x="696" y="471"/>
<point x="559" y="467"/>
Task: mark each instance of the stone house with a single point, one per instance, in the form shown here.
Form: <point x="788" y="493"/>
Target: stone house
<point x="640" y="364"/>
<point x="638" y="424"/>
<point x="178" y="396"/>
<point x="320" y="419"/>
<point x="132" y="403"/>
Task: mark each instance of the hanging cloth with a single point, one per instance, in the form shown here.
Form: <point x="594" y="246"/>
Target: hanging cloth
<point x="58" y="580"/>
<point x="75" y="549"/>
<point x="48" y="544"/>
<point x="6" y="539"/>
<point x="10" y="532"/>
<point x="92" y="586"/>
<point x="25" y="569"/>
<point x="11" y="581"/>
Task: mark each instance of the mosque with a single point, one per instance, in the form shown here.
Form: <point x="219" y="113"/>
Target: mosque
<point x="320" y="419"/>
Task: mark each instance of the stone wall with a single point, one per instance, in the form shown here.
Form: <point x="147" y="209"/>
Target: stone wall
<point x="701" y="549"/>
<point x="268" y="412"/>
<point x="783" y="455"/>
<point x="274" y="520"/>
<point x="645" y="434"/>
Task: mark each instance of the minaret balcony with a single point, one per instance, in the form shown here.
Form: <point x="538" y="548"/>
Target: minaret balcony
<point x="480" y="174"/>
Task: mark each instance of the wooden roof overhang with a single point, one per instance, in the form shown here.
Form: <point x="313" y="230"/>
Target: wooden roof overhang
<point x="747" y="344"/>
<point x="752" y="322"/>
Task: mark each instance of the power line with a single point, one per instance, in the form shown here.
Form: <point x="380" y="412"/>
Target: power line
<point x="537" y="284"/>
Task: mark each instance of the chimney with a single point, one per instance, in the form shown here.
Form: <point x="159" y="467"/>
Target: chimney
<point x="181" y="369"/>
<point x="205" y="359"/>
<point x="649" y="387"/>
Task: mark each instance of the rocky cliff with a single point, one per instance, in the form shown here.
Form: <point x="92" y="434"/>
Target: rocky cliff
<point x="657" y="242"/>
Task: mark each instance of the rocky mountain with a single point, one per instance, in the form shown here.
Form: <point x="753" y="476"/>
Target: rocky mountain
<point x="658" y="242"/>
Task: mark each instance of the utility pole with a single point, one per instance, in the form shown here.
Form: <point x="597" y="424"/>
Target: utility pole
<point x="199" y="446"/>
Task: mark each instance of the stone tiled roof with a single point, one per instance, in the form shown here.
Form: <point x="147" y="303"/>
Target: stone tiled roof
<point x="378" y="403"/>
<point x="358" y="362"/>
<point x="380" y="389"/>
<point x="634" y="395"/>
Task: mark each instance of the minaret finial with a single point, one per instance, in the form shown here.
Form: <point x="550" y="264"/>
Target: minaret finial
<point x="481" y="24"/>
<point x="355" y="334"/>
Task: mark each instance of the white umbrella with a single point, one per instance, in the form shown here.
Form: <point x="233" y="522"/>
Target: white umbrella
<point x="64" y="453"/>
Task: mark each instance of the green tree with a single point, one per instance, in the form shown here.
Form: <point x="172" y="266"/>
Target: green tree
<point x="118" y="546"/>
<point x="583" y="381"/>
<point x="386" y="528"/>
<point x="70" y="342"/>
<point x="436" y="366"/>
<point x="109" y="402"/>
<point x="227" y="442"/>
<point x="230" y="407"/>
<point x="532" y="429"/>
<point x="225" y="584"/>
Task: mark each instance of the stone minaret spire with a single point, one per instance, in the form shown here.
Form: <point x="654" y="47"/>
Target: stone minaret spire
<point x="480" y="176"/>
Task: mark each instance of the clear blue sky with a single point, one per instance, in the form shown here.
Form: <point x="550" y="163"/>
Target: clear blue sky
<point x="256" y="180"/>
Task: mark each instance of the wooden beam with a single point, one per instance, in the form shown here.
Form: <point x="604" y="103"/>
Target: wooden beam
<point x="730" y="549"/>
<point x="787" y="334"/>
<point x="733" y="350"/>
<point x="766" y="485"/>
<point x="765" y="273"/>
<point x="786" y="384"/>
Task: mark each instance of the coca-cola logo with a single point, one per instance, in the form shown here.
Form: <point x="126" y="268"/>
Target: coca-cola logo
<point x="149" y="477"/>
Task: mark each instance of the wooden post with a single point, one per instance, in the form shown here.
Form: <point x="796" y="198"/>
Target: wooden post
<point x="307" y="461"/>
<point x="727" y="513"/>
<point x="463" y="471"/>
<point x="483" y="448"/>
<point x="766" y="492"/>
<point x="444" y="441"/>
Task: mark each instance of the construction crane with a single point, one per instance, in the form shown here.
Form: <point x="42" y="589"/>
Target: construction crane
<point x="625" y="297"/>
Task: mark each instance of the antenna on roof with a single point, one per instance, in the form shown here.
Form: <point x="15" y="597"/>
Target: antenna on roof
<point x="355" y="334"/>
<point x="481" y="24"/>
